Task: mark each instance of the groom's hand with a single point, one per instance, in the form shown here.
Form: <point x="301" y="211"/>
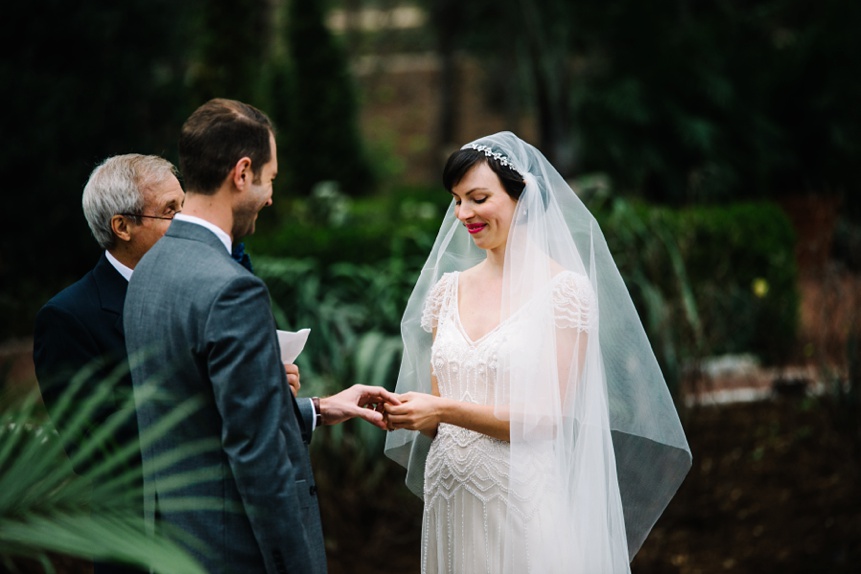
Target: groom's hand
<point x="361" y="401"/>
<point x="292" y="377"/>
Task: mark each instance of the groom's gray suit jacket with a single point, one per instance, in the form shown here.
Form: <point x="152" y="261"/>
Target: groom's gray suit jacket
<point x="200" y="325"/>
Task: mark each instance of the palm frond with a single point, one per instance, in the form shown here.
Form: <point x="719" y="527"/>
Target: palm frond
<point x="45" y="507"/>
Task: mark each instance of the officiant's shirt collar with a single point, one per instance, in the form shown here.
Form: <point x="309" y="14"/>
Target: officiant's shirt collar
<point x="126" y="272"/>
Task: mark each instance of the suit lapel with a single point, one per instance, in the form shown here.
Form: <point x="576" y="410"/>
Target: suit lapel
<point x="112" y="289"/>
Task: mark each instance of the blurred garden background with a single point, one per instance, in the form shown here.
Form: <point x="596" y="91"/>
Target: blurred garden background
<point x="718" y="143"/>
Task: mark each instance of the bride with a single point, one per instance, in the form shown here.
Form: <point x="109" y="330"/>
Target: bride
<point x="534" y="420"/>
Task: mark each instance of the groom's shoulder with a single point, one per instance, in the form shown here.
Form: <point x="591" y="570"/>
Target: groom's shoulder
<point x="173" y="263"/>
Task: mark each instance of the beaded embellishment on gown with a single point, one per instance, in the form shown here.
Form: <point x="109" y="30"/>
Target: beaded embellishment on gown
<point x="466" y="489"/>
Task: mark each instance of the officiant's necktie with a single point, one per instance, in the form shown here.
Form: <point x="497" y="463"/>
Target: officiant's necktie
<point x="241" y="257"/>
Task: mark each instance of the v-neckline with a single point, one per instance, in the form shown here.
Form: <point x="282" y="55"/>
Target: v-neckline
<point x="460" y="326"/>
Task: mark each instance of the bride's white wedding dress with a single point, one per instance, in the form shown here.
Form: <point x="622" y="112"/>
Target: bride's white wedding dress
<point x="468" y="506"/>
<point x="596" y="447"/>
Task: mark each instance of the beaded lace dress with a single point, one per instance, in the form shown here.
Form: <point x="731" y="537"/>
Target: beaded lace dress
<point x="466" y="490"/>
<point x="596" y="446"/>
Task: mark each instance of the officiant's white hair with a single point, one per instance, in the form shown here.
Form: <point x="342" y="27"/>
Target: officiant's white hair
<point x="117" y="185"/>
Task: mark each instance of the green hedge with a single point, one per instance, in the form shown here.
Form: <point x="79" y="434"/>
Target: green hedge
<point x="706" y="280"/>
<point x="742" y="259"/>
<point x="726" y="277"/>
<point x="331" y="227"/>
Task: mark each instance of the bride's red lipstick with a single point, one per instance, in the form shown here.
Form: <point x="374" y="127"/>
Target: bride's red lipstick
<point x="475" y="227"/>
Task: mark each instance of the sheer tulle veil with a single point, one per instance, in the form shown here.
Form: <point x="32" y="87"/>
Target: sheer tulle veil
<point x="595" y="405"/>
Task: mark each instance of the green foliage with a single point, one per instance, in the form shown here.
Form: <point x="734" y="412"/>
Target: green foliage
<point x="124" y="79"/>
<point x="682" y="101"/>
<point x="345" y="268"/>
<point x="708" y="280"/>
<point x="649" y="260"/>
<point x="321" y="135"/>
<point x="91" y="79"/>
<point x="331" y="227"/>
<point x="742" y="258"/>
<point x="221" y="68"/>
<point x="354" y="312"/>
<point x="45" y="508"/>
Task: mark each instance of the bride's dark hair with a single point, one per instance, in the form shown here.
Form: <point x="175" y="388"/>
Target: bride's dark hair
<point x="464" y="159"/>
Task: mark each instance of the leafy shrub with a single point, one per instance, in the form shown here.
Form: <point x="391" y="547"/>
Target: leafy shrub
<point x="742" y="259"/>
<point x="706" y="280"/>
<point x="709" y="280"/>
<point x="354" y="312"/>
<point x="331" y="227"/>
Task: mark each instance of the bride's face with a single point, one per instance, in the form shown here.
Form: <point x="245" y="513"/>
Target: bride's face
<point x="484" y="207"/>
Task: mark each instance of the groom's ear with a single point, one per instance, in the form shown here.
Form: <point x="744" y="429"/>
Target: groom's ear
<point x="241" y="174"/>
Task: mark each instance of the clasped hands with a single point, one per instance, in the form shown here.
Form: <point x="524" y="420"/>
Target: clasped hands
<point x="380" y="407"/>
<point x="387" y="410"/>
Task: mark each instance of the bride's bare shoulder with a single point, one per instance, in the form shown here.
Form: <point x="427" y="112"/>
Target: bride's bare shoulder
<point x="468" y="277"/>
<point x="469" y="274"/>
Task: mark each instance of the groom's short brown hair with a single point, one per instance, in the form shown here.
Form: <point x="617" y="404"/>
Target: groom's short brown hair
<point x="215" y="137"/>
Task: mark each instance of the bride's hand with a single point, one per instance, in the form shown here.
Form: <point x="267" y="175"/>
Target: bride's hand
<point x="416" y="411"/>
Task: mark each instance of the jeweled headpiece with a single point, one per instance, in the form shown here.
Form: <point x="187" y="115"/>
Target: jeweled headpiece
<point x="490" y="153"/>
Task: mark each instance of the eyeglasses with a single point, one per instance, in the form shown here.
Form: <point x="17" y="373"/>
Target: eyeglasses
<point x="148" y="216"/>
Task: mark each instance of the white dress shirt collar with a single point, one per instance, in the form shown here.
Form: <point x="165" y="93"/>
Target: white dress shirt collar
<point x="220" y="233"/>
<point x="126" y="272"/>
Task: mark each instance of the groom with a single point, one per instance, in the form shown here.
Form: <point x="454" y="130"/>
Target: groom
<point x="198" y="324"/>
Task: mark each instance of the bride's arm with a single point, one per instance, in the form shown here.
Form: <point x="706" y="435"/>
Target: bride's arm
<point x="423" y="412"/>
<point x="571" y="345"/>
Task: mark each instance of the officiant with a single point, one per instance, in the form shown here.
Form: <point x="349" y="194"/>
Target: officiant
<point x="128" y="202"/>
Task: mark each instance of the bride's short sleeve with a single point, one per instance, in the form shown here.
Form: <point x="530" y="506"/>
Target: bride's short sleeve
<point x="434" y="302"/>
<point x="574" y="302"/>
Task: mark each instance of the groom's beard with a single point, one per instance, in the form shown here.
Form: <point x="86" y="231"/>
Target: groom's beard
<point x="244" y="221"/>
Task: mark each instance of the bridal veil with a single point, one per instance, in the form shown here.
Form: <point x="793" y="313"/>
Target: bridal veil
<point x="590" y="399"/>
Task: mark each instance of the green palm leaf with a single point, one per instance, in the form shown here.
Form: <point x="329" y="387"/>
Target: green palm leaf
<point x="46" y="508"/>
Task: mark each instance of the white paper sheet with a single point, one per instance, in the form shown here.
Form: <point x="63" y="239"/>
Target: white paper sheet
<point x="291" y="343"/>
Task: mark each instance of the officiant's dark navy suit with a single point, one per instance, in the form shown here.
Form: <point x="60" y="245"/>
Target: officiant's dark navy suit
<point x="79" y="325"/>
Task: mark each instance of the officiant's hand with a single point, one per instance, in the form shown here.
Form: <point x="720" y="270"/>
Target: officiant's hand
<point x="292" y="371"/>
<point x="361" y="401"/>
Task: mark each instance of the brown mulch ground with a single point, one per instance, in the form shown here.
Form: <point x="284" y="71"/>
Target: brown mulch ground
<point x="774" y="488"/>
